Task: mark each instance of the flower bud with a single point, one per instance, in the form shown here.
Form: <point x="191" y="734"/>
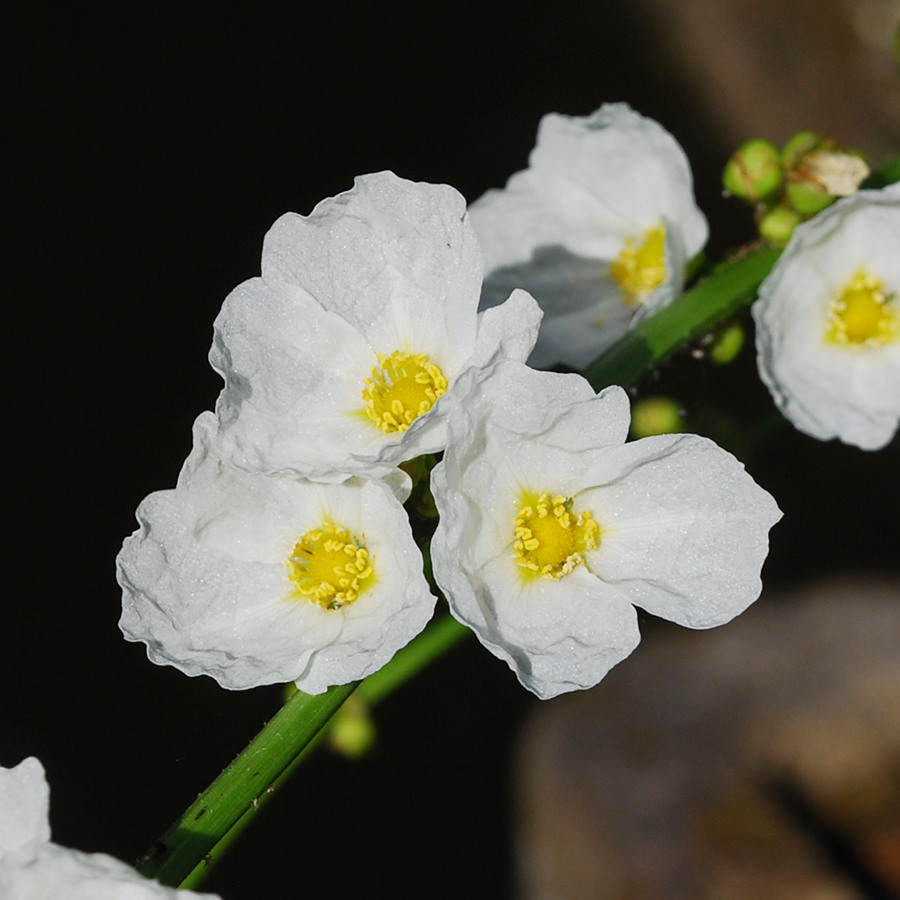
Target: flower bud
<point x="807" y="197"/>
<point x="801" y="145"/>
<point x="655" y="415"/>
<point x="817" y="171"/>
<point x="754" y="171"/>
<point x="778" y="224"/>
<point x="727" y="344"/>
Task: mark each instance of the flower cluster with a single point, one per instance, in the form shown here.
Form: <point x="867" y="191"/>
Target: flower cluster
<point x="284" y="552"/>
<point x="32" y="866"/>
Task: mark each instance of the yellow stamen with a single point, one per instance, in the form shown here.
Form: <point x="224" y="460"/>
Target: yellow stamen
<point x="549" y="539"/>
<point x="862" y="315"/>
<point x="330" y="567"/>
<point x="403" y="387"/>
<point x="639" y="270"/>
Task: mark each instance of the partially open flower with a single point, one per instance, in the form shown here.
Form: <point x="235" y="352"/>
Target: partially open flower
<point x="336" y="360"/>
<point x="34" y="868"/>
<point x="553" y="529"/>
<point x="828" y="322"/>
<point x="255" y="579"/>
<point x="599" y="229"/>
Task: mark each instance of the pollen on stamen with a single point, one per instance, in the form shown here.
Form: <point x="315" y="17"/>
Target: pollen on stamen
<point x="862" y="315"/>
<point x="640" y="269"/>
<point x="403" y="387"/>
<point x="549" y="539"/>
<point x="330" y="567"/>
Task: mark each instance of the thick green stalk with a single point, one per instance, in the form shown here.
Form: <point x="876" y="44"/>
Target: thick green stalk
<point x="184" y="855"/>
<point x="712" y="301"/>
<point x="237" y="791"/>
<point x="185" y="852"/>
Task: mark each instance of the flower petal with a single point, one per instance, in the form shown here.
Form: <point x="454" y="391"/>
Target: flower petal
<point x="827" y="389"/>
<point x="684" y="528"/>
<point x="206" y="584"/>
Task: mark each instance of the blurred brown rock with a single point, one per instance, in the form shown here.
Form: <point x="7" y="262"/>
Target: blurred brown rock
<point x="759" y="760"/>
<point x="770" y="68"/>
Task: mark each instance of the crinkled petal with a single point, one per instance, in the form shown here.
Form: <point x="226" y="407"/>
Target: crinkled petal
<point x="684" y="528"/>
<point x="206" y="585"/>
<point x="389" y="266"/>
<point x="24" y="809"/>
<point x="828" y="390"/>
<point x="593" y="183"/>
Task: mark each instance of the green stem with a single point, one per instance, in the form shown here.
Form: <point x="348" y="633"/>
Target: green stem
<point x="184" y="854"/>
<point x="698" y="311"/>
<point x="238" y="790"/>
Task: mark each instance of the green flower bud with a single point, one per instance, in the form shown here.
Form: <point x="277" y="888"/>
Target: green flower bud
<point x="655" y="415"/>
<point x="351" y="731"/>
<point x="807" y="197"/>
<point x="754" y="171"/>
<point x="800" y="145"/>
<point x="727" y="344"/>
<point x="778" y="224"/>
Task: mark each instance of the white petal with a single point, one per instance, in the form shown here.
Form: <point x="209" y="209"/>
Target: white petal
<point x="390" y="265"/>
<point x="32" y="868"/>
<point x="827" y="390"/>
<point x="206" y="587"/>
<point x="396" y="259"/>
<point x="684" y="528"/>
<point x="24" y="808"/>
<point x="592" y="183"/>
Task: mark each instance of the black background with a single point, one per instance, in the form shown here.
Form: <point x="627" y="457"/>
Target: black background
<point x="149" y="151"/>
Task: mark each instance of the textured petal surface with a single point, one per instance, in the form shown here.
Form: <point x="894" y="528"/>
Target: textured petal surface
<point x="682" y="527"/>
<point x="825" y="389"/>
<point x="390" y="265"/>
<point x="24" y="808"/>
<point x="206" y="585"/>
<point x="593" y="183"/>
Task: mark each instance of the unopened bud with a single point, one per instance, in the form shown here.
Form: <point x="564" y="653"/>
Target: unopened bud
<point x="801" y="145"/>
<point x="754" y="171"/>
<point x="351" y="731"/>
<point x="807" y="197"/>
<point x="655" y="415"/>
<point x="727" y="344"/>
<point x="778" y="224"/>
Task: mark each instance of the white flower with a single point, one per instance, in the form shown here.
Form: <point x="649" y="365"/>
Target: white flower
<point x="828" y="322"/>
<point x="552" y="528"/>
<point x="336" y="359"/>
<point x="599" y="229"/>
<point x="255" y="579"/>
<point x="33" y="868"/>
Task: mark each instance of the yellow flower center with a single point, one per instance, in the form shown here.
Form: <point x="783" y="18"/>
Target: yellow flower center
<point x="640" y="269"/>
<point x="403" y="387"/>
<point x="549" y="538"/>
<point x="862" y="315"/>
<point x="330" y="567"/>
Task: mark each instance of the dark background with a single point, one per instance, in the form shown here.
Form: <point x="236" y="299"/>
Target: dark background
<point x="149" y="151"/>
